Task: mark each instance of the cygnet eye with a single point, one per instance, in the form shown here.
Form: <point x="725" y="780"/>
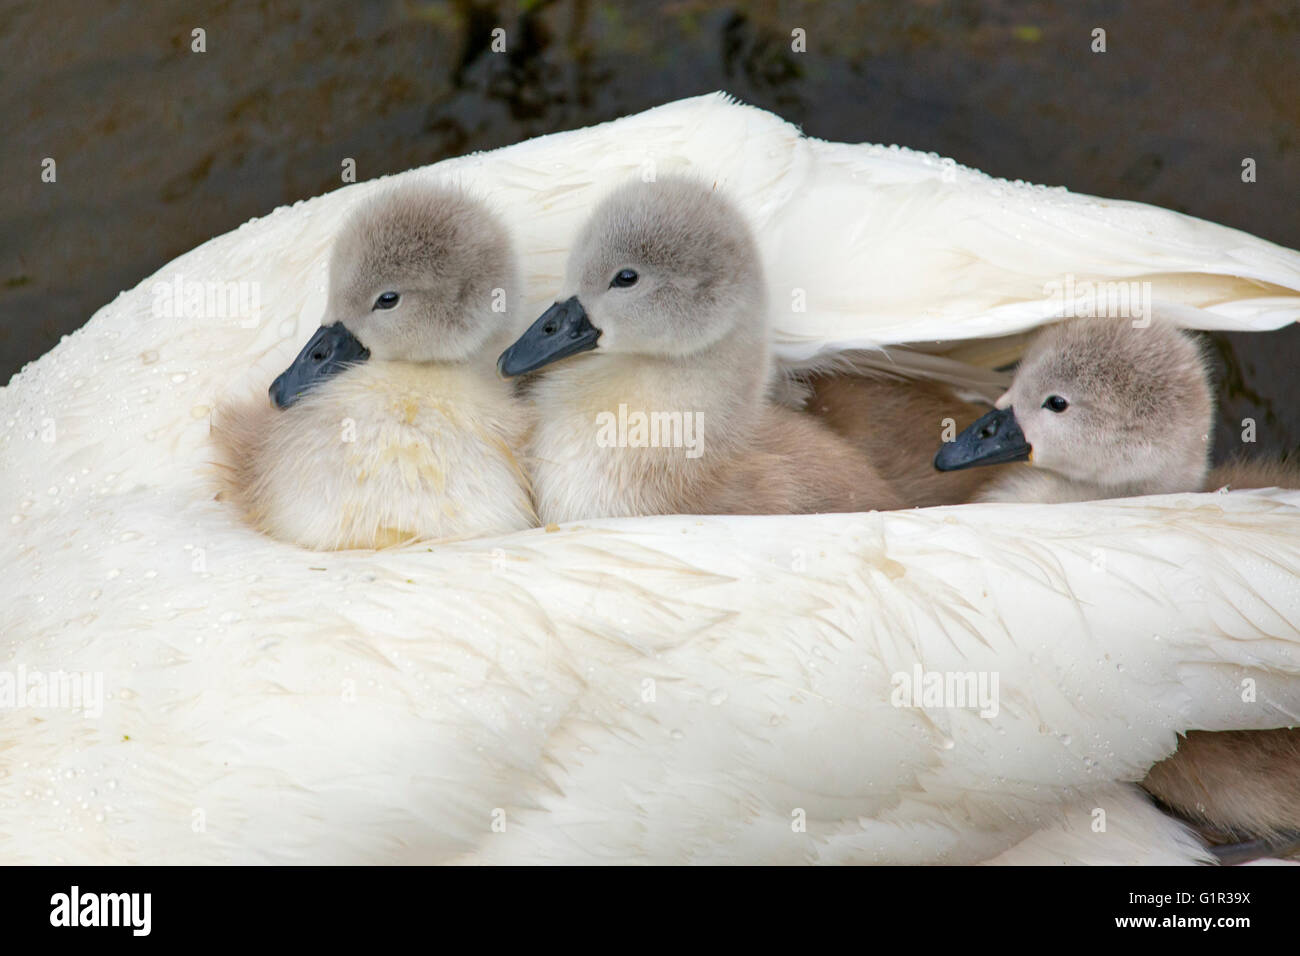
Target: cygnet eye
<point x="1055" y="403"/>
<point x="623" y="279"/>
<point x="387" y="300"/>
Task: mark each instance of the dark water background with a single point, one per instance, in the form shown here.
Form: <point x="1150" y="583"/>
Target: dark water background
<point x="159" y="148"/>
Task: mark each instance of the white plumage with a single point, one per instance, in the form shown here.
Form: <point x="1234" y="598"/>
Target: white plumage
<point x="637" y="689"/>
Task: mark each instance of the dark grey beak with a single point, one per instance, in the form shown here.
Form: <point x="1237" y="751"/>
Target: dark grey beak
<point x="992" y="439"/>
<point x="562" y="330"/>
<point x="332" y="349"/>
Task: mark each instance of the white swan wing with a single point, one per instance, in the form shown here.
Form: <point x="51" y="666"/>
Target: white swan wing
<point x="927" y="250"/>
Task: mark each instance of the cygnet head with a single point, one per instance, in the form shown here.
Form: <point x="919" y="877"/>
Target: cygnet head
<point x="667" y="270"/>
<point x="1099" y="400"/>
<point x="420" y="273"/>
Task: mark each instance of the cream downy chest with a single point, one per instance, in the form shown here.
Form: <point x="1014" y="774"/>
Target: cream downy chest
<point x="391" y="452"/>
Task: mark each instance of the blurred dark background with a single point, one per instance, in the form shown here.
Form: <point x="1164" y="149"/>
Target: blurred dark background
<point x="160" y="148"/>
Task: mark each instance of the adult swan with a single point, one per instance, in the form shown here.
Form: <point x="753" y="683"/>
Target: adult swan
<point x="666" y="689"/>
